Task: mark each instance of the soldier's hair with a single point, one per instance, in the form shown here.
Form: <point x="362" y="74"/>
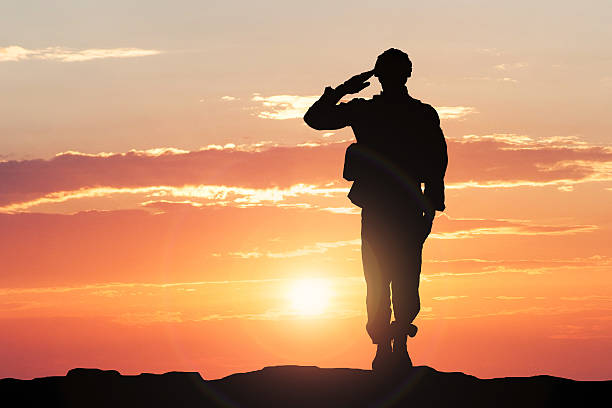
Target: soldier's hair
<point x="393" y="62"/>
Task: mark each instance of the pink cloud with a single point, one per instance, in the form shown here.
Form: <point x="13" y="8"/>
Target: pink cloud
<point x="456" y="228"/>
<point x="276" y="166"/>
<point x="475" y="161"/>
<point x="513" y="159"/>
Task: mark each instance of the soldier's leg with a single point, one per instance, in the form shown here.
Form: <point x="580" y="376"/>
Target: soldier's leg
<point x="405" y="285"/>
<point x="406" y="272"/>
<point x="406" y="301"/>
<point x="378" y="298"/>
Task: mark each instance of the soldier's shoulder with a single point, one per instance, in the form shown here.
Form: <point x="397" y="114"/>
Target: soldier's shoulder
<point x="428" y="110"/>
<point x="425" y="106"/>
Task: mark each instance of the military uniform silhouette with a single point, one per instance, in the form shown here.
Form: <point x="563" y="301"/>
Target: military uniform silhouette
<point x="400" y="146"/>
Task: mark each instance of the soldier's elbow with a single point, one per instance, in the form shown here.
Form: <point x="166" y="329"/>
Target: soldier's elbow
<point x="312" y="121"/>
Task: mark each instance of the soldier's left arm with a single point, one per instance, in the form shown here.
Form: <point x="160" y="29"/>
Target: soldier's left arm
<point x="434" y="184"/>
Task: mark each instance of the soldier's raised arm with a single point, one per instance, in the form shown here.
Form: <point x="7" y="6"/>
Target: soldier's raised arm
<point x="326" y="113"/>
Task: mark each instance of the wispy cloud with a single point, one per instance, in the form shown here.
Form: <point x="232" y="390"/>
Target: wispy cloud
<point x="317" y="248"/>
<point x="510" y="297"/>
<point x="270" y="314"/>
<point x="490" y="51"/>
<point x="143" y="318"/>
<point x="514" y="230"/>
<point x="343" y="210"/>
<point x="451" y="297"/>
<point x="219" y="195"/>
<point x="480" y="267"/>
<point x="534" y="310"/>
<point x="496" y="79"/>
<point x="510" y="66"/>
<point x="120" y="286"/>
<point x="158" y="151"/>
<point x="282" y="107"/>
<point x="455" y="112"/>
<point x="588" y="297"/>
<point x="63" y="54"/>
<point x="461" y="228"/>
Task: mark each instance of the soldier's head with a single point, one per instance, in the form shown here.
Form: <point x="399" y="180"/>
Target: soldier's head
<point x="393" y="68"/>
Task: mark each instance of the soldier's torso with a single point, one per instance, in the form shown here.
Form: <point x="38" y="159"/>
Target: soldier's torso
<point x="396" y="132"/>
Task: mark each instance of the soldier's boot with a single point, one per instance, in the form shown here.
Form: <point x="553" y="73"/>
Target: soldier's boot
<point x="383" y="360"/>
<point x="401" y="358"/>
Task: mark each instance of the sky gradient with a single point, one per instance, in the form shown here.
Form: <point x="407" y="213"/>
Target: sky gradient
<point x="163" y="204"/>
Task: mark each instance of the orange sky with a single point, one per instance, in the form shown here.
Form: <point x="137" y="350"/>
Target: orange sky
<point x="161" y="198"/>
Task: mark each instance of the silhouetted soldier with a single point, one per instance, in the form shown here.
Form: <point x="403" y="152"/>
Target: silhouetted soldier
<point x="399" y="147"/>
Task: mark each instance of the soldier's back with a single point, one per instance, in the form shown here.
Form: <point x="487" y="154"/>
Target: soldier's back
<point x="397" y="132"/>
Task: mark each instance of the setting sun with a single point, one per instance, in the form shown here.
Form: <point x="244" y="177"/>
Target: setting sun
<point x="310" y="296"/>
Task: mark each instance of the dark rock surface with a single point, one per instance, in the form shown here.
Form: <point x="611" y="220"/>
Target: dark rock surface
<point x="297" y="386"/>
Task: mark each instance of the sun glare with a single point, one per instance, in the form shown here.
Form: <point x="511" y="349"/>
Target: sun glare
<point x="310" y="296"/>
